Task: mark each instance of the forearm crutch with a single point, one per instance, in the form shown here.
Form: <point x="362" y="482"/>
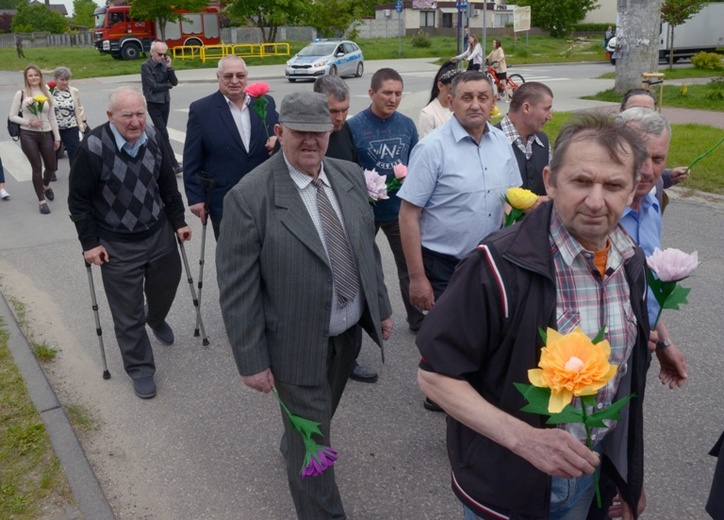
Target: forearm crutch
<point x="205" y="339"/>
<point x="208" y="183"/>
<point x="99" y="331"/>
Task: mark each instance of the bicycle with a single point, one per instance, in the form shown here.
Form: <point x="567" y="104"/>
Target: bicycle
<point x="514" y="80"/>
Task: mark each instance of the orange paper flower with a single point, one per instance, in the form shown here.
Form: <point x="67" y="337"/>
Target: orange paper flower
<point x="572" y="365"/>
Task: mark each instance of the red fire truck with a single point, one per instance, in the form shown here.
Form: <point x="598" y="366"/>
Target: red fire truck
<point x="124" y="38"/>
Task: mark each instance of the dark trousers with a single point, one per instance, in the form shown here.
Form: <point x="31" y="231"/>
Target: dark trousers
<point x="316" y="497"/>
<point x="151" y="267"/>
<point x="715" y="504"/>
<point x="391" y="229"/>
<point x="38" y="148"/>
<point x="71" y="140"/>
<point x="159" y="113"/>
<point x="439" y="268"/>
<point x="2" y="172"/>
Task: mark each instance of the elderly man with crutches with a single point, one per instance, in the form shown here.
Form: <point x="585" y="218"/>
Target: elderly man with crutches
<point x="128" y="213"/>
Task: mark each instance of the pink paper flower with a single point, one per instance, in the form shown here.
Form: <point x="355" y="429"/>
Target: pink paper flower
<point x="672" y="265"/>
<point x="376" y="185"/>
<point x="257" y="89"/>
<point x="400" y="171"/>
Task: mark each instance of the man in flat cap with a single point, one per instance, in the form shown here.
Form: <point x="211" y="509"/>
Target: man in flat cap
<point x="298" y="272"/>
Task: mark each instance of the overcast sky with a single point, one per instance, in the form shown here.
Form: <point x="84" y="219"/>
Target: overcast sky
<point x="69" y="4"/>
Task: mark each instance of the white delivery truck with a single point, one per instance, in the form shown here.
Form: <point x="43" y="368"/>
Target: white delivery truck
<point x="702" y="32"/>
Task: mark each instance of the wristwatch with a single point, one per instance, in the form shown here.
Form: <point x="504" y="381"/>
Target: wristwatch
<point x="661" y="345"/>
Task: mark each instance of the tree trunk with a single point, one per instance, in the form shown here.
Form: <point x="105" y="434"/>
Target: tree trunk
<point x="638" y="36"/>
<point x="671" y="47"/>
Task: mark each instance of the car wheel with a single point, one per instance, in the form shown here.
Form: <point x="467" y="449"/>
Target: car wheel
<point x="360" y="70"/>
<point x="333" y="70"/>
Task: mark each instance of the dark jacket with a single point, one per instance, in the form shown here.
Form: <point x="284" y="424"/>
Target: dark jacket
<point x="157" y="80"/>
<point x="715" y="505"/>
<point x="214" y="150"/>
<point x="531" y="170"/>
<point x="510" y="282"/>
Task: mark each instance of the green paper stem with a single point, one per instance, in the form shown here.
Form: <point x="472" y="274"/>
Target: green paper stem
<point x="274" y="391"/>
<point x="706" y="153"/>
<point x="590" y="447"/>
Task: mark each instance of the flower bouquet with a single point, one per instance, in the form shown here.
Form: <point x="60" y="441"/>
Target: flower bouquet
<point x="520" y="200"/>
<point x="35" y="104"/>
<point x="668" y="267"/>
<point x="259" y="102"/>
<point x="376" y="185"/>
<point x="317" y="457"/>
<point x="572" y="365"/>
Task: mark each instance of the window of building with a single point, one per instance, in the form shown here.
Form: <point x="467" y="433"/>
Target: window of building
<point x="447" y="19"/>
<point x="427" y="18"/>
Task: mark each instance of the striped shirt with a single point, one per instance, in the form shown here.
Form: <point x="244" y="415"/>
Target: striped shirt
<point x="586" y="299"/>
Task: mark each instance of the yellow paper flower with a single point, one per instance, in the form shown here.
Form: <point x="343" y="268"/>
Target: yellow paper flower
<point x="520" y="198"/>
<point x="40" y="98"/>
<point x="572" y="365"/>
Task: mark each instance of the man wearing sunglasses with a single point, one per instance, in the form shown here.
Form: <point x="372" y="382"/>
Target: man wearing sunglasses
<point x="158" y="78"/>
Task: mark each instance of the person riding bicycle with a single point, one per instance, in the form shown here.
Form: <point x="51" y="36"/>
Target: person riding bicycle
<point x="497" y="61"/>
<point x="473" y="54"/>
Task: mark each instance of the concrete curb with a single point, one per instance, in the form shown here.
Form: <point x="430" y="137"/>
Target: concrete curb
<point x="86" y="489"/>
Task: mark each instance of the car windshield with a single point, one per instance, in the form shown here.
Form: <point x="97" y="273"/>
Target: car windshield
<point x="318" y="49"/>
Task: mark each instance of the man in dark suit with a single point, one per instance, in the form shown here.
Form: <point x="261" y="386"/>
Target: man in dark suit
<point x="225" y="139"/>
<point x="293" y="292"/>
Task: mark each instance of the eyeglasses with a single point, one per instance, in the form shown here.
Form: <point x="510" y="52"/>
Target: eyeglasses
<point x="229" y="76"/>
<point x="162" y="54"/>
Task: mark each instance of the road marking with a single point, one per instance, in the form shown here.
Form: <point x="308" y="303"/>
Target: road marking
<point x="14" y="161"/>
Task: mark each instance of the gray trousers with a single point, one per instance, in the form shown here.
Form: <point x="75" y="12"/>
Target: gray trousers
<point x="151" y="266"/>
<point x="317" y="497"/>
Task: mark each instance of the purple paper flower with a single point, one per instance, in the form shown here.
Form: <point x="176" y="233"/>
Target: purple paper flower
<point x="376" y="185"/>
<point x="317" y="459"/>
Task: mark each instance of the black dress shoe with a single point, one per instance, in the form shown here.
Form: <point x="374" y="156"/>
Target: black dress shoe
<point x="163" y="333"/>
<point x="54" y="178"/>
<point x="431" y="405"/>
<point x="362" y="374"/>
<point x="145" y="387"/>
<point x="49" y="194"/>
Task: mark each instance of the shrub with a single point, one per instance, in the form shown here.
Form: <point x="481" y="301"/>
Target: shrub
<point x="593" y="27"/>
<point x="421" y="39"/>
<point x="708" y="61"/>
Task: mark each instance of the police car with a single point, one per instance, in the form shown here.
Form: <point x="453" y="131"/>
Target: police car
<point x="325" y="56"/>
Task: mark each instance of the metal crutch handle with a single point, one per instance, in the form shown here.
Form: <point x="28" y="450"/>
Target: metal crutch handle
<point x="189" y="278"/>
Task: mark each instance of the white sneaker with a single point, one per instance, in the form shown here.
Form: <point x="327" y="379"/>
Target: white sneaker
<point x="4" y="194"/>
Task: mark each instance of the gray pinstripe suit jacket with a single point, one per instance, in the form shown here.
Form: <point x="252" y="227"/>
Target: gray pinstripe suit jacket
<point x="275" y="282"/>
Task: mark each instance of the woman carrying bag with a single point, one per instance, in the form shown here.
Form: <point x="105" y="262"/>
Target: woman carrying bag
<point x="39" y="136"/>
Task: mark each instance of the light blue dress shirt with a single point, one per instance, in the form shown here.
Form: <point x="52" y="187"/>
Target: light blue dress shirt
<point x="460" y="186"/>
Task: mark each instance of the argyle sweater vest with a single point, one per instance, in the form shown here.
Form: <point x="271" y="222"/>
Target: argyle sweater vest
<point x="128" y="204"/>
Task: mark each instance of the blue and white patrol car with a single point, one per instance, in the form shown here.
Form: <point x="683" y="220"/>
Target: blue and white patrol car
<point x="324" y="56"/>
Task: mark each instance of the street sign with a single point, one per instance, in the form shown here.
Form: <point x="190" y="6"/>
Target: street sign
<point x="398" y="6"/>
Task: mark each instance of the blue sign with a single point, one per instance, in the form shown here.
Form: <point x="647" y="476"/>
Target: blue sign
<point x="398" y="6"/>
<point x="461" y="5"/>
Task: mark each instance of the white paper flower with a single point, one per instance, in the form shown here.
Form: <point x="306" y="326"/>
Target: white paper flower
<point x="672" y="265"/>
<point x="376" y="185"/>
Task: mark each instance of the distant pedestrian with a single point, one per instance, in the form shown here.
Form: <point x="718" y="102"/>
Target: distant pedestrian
<point x="609" y="34"/>
<point x="158" y="78"/>
<point x="473" y="54"/>
<point x="19" y="46"/>
<point x="68" y="111"/>
<point x="4" y="195"/>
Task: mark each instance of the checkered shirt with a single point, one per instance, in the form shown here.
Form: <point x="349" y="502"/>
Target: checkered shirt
<point x="524" y="146"/>
<point x="590" y="301"/>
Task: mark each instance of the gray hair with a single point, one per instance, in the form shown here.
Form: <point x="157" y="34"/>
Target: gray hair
<point x="332" y="86"/>
<point x="616" y="137"/>
<point x="648" y="121"/>
<point x="123" y="91"/>
<point x="156" y="43"/>
<point x="62" y="73"/>
<point x="228" y="57"/>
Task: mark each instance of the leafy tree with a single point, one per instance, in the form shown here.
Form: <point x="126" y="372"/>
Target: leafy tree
<point x="83" y="12"/>
<point x="557" y="16"/>
<point x="269" y="15"/>
<point x="676" y="12"/>
<point x="5" y="22"/>
<point x="333" y="17"/>
<point x="10" y="4"/>
<point x="36" y="18"/>
<point x="163" y="11"/>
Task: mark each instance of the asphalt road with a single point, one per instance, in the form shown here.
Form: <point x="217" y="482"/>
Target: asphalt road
<point x="208" y="448"/>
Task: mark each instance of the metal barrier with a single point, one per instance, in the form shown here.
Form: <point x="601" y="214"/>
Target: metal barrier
<point x="243" y="50"/>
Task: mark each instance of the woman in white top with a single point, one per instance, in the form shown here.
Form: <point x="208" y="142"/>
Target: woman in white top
<point x="438" y="109"/>
<point x="497" y="61"/>
<point x="473" y="54"/>
<point x="39" y="137"/>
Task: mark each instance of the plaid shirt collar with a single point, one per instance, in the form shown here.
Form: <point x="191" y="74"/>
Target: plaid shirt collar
<point x="515" y="138"/>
